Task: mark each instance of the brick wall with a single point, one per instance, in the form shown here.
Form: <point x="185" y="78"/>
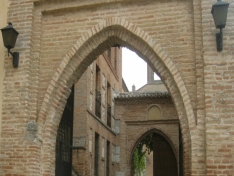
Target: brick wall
<point x="59" y="39"/>
<point x="218" y="78"/>
<point x="84" y="114"/>
<point x="135" y="126"/>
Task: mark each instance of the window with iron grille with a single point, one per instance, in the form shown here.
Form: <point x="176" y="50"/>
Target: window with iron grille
<point x="98" y="94"/>
<point x="96" y="154"/>
<point x="108" y="104"/>
<point x="64" y="140"/>
<point x="115" y="64"/>
<point x="109" y="53"/>
<point x="107" y="158"/>
<point x="98" y="104"/>
<point x="108" y="115"/>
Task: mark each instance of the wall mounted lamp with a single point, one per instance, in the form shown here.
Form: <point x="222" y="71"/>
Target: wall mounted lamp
<point x="219" y="11"/>
<point x="9" y="35"/>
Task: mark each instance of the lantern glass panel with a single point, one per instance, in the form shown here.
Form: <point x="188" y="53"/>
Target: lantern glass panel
<point x="14" y="35"/>
<point x="6" y="35"/>
<point x="220" y="16"/>
<point x="9" y="35"/>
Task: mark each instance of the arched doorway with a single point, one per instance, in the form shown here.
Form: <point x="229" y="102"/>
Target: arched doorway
<point x="160" y="151"/>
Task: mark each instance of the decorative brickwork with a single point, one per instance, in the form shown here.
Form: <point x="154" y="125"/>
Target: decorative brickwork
<point x="95" y="42"/>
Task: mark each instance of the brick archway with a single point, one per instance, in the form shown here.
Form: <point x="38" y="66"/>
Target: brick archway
<point x="142" y="135"/>
<point x="100" y="37"/>
<point x="149" y="131"/>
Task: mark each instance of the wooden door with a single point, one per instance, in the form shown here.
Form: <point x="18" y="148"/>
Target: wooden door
<point x="164" y="160"/>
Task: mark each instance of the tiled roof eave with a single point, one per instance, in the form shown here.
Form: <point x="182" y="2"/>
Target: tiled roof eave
<point x="132" y="95"/>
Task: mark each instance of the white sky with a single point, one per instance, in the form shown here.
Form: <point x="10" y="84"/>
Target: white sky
<point x="134" y="69"/>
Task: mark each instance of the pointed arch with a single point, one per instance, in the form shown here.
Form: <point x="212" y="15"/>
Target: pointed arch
<point x="147" y="132"/>
<point x="159" y="132"/>
<point x="95" y="41"/>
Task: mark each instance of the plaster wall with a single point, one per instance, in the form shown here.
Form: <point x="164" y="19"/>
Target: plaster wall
<point x="3" y="23"/>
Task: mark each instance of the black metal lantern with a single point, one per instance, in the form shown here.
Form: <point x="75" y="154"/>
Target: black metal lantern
<point x="9" y="35"/>
<point x="219" y="11"/>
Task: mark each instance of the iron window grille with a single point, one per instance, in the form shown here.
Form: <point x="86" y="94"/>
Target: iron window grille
<point x="115" y="60"/>
<point x="98" y="104"/>
<point x="109" y="53"/>
<point x="96" y="154"/>
<point x="64" y="140"/>
<point x="108" y="159"/>
<point x="108" y="115"/>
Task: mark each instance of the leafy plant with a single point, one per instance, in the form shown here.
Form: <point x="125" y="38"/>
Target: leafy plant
<point x="139" y="161"/>
<point x="139" y="153"/>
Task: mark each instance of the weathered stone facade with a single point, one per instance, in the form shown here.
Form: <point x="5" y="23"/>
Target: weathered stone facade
<point x="59" y="39"/>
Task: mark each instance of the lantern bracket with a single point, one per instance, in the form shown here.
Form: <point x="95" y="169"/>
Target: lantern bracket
<point x="15" y="56"/>
<point x="219" y="40"/>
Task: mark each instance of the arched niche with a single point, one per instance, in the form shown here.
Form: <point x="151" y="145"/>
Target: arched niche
<point x="154" y="113"/>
